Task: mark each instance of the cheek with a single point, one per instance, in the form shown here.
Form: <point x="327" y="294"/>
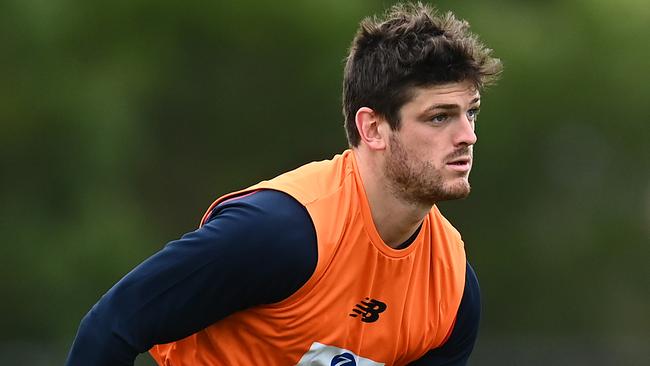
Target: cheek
<point x="424" y="145"/>
<point x="429" y="149"/>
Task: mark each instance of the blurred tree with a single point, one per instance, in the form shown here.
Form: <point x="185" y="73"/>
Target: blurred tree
<point x="121" y="121"/>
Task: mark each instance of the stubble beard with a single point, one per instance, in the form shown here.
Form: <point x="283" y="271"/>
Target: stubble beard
<point x="418" y="182"/>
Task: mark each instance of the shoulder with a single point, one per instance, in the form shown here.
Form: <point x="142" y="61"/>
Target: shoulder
<point x="268" y="232"/>
<point x="441" y="221"/>
<point x="314" y="180"/>
<point x="263" y="209"/>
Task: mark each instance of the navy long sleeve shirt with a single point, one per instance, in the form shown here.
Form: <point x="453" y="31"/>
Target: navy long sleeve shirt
<point x="256" y="249"/>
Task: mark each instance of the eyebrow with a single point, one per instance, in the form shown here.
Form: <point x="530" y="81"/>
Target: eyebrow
<point x="450" y="106"/>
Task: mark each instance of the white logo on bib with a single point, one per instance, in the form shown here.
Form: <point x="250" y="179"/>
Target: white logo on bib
<point x="323" y="355"/>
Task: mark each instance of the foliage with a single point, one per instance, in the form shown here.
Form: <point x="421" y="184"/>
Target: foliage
<point x="120" y="122"/>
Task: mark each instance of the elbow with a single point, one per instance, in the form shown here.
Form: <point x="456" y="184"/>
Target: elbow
<point x="96" y="342"/>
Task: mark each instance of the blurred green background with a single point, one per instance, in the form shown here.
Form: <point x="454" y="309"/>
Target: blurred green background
<point x="121" y="121"/>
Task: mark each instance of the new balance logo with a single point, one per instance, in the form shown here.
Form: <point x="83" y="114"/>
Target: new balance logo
<point x="368" y="309"/>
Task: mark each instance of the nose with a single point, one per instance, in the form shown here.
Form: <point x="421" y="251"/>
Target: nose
<point x="465" y="133"/>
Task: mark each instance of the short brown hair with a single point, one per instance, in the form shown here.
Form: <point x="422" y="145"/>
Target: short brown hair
<point x="412" y="45"/>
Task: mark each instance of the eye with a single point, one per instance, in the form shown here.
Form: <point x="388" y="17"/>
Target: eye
<point x="473" y="113"/>
<point x="439" y="118"/>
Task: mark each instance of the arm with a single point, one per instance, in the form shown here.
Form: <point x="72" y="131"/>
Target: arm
<point x="456" y="351"/>
<point x="219" y="269"/>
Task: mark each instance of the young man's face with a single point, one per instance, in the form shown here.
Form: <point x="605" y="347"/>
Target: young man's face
<point x="428" y="159"/>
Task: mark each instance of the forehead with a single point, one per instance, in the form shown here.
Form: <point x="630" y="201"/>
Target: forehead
<point x="461" y="94"/>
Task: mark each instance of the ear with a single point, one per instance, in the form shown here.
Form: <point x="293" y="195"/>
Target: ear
<point x="370" y="127"/>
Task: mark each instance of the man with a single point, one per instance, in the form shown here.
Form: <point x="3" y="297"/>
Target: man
<point x="339" y="262"/>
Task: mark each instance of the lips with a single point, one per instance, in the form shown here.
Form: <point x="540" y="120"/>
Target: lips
<point x="460" y="164"/>
<point x="460" y="161"/>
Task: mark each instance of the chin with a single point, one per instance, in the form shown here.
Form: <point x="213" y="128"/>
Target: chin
<point x="457" y="190"/>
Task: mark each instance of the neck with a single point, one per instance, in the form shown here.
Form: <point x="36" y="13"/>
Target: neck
<point x="395" y="219"/>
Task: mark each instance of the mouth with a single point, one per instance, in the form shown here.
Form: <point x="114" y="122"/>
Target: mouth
<point x="461" y="164"/>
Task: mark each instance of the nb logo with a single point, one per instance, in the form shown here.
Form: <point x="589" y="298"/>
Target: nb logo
<point x="344" y="359"/>
<point x="368" y="309"/>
